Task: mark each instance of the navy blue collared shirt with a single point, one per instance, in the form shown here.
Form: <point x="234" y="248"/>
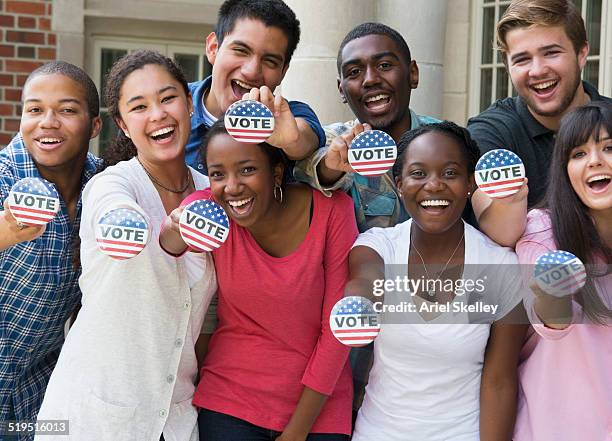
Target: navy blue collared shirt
<point x="200" y="122"/>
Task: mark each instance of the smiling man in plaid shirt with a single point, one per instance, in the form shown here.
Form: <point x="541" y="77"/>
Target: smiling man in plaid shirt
<point x="38" y="280"/>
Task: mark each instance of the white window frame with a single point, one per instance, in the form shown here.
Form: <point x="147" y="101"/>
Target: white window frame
<point x="168" y="48"/>
<point x="605" y="58"/>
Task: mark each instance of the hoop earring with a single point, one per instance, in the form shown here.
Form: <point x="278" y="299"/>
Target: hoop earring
<point x="279" y="189"/>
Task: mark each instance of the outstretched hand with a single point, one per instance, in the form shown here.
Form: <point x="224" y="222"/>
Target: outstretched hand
<point x="286" y="131"/>
<point x="336" y="157"/>
<point x="14" y="232"/>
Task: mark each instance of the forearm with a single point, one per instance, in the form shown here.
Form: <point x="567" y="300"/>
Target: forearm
<point x="503" y="221"/>
<point x="304" y="144"/>
<point x="327" y="176"/>
<point x="170" y="239"/>
<point x="498" y="403"/>
<point x="555" y="313"/>
<point x="306" y="412"/>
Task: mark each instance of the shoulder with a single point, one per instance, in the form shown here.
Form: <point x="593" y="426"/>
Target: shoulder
<point x="502" y="112"/>
<point x="196" y="86"/>
<point x="399" y="233"/>
<point x="426" y="119"/>
<point x="123" y="172"/>
<point x="489" y="251"/>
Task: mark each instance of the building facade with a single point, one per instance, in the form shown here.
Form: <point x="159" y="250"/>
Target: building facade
<point x="451" y="40"/>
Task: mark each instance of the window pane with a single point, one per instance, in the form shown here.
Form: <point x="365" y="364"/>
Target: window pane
<point x="593" y="25"/>
<point x="206" y="67"/>
<point x="107" y="58"/>
<point x="488" y="26"/>
<point x="486" y="79"/>
<point x="502" y="9"/>
<point x="502" y="83"/>
<point x="108" y="132"/>
<point x="189" y="63"/>
<point x="591" y="72"/>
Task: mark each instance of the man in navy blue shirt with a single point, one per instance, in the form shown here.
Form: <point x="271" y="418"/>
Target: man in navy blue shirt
<point x="250" y="52"/>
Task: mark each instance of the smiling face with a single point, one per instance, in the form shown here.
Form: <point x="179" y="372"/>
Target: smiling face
<point x="376" y="82"/>
<point x="590" y="171"/>
<point x="252" y="55"/>
<point x="55" y="123"/>
<point x="434" y="182"/>
<point x="545" y="68"/>
<point x="242" y="179"/>
<point x="154" y="113"/>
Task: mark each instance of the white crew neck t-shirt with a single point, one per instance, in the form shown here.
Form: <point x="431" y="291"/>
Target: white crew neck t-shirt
<point x="425" y="380"/>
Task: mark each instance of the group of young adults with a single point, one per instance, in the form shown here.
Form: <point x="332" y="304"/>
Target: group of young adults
<point x="236" y="344"/>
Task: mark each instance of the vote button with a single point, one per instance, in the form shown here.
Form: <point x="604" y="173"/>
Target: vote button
<point x="204" y="225"/>
<point x="33" y="201"/>
<point x="122" y="233"/>
<point x="372" y="153"/>
<point x="500" y="173"/>
<point x="559" y="273"/>
<point x="249" y="121"/>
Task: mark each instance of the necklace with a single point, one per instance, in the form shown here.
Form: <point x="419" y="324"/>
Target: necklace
<point x="432" y="292"/>
<point x="155" y="181"/>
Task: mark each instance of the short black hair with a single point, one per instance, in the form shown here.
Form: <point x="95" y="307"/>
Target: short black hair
<point x="448" y="128"/>
<point x="76" y="74"/>
<point x="371" y="28"/>
<point x="273" y="13"/>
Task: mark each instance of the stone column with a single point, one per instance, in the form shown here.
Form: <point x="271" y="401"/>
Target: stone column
<point x="68" y="21"/>
<point x="312" y="75"/>
<point x="423" y="24"/>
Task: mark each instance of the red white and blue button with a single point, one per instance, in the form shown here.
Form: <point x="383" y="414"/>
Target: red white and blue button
<point x="354" y="322"/>
<point x="249" y="121"/>
<point x="33" y="201"/>
<point x="204" y="225"/>
<point x="372" y="153"/>
<point x="559" y="273"/>
<point x="122" y="233"/>
<point x="500" y="173"/>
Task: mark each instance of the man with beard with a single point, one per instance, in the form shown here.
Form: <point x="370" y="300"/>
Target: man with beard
<point x="544" y="47"/>
<point x="376" y="75"/>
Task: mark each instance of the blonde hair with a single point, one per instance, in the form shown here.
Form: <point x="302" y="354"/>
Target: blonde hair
<point x="526" y="13"/>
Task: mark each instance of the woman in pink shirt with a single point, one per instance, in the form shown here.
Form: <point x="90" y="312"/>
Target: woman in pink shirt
<point x="274" y="370"/>
<point x="565" y="378"/>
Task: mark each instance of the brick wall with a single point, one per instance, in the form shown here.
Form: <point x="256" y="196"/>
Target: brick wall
<point x="26" y="42"/>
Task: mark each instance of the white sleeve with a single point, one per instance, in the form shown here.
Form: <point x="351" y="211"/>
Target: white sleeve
<point x="105" y="192"/>
<point x="377" y="239"/>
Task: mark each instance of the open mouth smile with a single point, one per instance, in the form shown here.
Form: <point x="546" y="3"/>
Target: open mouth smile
<point x="240" y="207"/>
<point x="599" y="183"/>
<point x="239" y="88"/>
<point x="164" y="134"/>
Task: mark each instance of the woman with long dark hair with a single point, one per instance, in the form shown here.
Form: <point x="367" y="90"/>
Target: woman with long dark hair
<point x="128" y="366"/>
<point x="566" y="386"/>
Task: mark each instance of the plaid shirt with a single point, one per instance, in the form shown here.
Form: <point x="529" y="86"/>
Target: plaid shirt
<point x="376" y="200"/>
<point x="377" y="204"/>
<point x="38" y="293"/>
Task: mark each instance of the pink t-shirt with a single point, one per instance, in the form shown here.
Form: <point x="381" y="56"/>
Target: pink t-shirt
<point x="565" y="375"/>
<point x="273" y="336"/>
